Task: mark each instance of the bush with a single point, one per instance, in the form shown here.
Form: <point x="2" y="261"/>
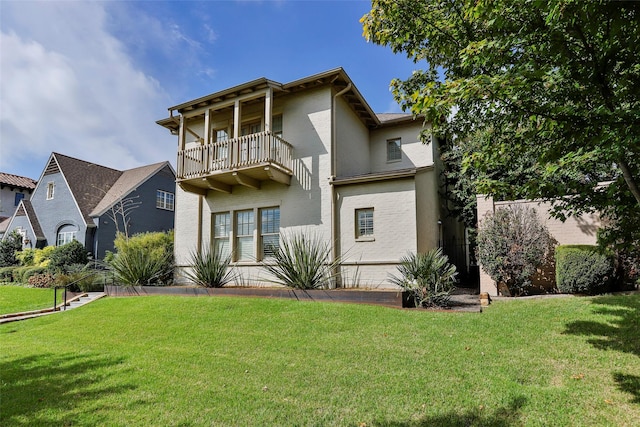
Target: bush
<point x="512" y="244"/>
<point x="9" y="246"/>
<point x="428" y="277"/>
<point x="42" y="280"/>
<point x="26" y="257"/>
<point x="81" y="278"/>
<point x="42" y="257"/>
<point x="71" y="253"/>
<point x="143" y="259"/>
<point x="302" y="262"/>
<point x="210" y="269"/>
<point x="583" y="269"/>
<point x="7" y="274"/>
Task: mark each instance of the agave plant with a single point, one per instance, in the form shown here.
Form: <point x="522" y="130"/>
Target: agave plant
<point x="302" y="261"/>
<point x="428" y="277"/>
<point x="138" y="266"/>
<point x="210" y="269"/>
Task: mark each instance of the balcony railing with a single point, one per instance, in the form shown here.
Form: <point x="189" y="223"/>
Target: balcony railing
<point x="235" y="154"/>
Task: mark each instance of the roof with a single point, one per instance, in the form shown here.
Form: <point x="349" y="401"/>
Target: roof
<point x="17" y="181"/>
<point x="33" y="219"/>
<point x="336" y="77"/>
<point x="126" y="183"/>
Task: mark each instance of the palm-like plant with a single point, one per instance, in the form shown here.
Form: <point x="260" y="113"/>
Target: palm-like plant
<point x="210" y="269"/>
<point x="302" y="261"/>
<point x="138" y="266"/>
<point x="428" y="277"/>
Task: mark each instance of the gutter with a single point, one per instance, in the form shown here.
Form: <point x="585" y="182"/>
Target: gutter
<point x="335" y="243"/>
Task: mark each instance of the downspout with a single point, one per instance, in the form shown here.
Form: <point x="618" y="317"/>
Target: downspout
<point x="335" y="242"/>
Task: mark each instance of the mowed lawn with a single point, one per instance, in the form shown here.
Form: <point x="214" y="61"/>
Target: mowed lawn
<point x="17" y="299"/>
<point x="200" y="361"/>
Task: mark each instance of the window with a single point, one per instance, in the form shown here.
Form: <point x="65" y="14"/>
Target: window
<point x="164" y="200"/>
<point x="50" y="189"/>
<point x="269" y="231"/>
<point x="244" y="235"/>
<point x="221" y="135"/>
<point x="65" y="237"/>
<point x="394" y="149"/>
<point x="276" y="126"/>
<point x="221" y="230"/>
<point x="19" y="196"/>
<point x="364" y="223"/>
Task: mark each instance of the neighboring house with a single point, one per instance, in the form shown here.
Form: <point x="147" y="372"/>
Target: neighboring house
<point x="79" y="200"/>
<point x="580" y="230"/>
<point x="13" y="189"/>
<point x="265" y="158"/>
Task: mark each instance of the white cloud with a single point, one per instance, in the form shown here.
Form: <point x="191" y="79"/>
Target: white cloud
<point x="69" y="86"/>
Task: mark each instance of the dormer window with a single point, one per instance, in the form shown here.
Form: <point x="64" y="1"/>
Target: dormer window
<point x="50" y="190"/>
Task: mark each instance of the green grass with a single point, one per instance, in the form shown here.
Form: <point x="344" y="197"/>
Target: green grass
<point x="194" y="361"/>
<point x="16" y="299"/>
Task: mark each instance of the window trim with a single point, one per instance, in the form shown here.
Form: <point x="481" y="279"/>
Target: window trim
<point x="162" y="197"/>
<point x="222" y="237"/>
<point x="359" y="235"/>
<point x="262" y="233"/>
<point x="398" y="143"/>
<point x="237" y="236"/>
<point x="51" y="190"/>
<point x="65" y="233"/>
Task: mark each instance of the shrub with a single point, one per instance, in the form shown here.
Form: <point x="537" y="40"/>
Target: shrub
<point x="9" y="246"/>
<point x="79" y="278"/>
<point x="583" y="269"/>
<point x="71" y="253"/>
<point x="26" y="257"/>
<point x="302" y="262"/>
<point x="428" y="277"/>
<point x="143" y="259"/>
<point x="7" y="274"/>
<point x="210" y="269"/>
<point x="42" y="280"/>
<point x="511" y="244"/>
<point x="42" y="257"/>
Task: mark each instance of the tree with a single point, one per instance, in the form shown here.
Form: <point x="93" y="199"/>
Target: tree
<point x="540" y="96"/>
<point x="512" y="244"/>
<point x="8" y="248"/>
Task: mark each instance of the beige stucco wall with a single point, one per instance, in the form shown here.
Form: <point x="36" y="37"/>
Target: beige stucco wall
<point x="580" y="230"/>
<point x="352" y="142"/>
<point x="414" y="152"/>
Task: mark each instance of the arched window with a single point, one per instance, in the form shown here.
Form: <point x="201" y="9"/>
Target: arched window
<point x="66" y="234"/>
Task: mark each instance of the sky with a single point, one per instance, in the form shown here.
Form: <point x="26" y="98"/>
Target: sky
<point x="90" y="79"/>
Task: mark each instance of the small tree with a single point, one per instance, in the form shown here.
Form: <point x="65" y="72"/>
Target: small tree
<point x="66" y="255"/>
<point x="8" y="248"/>
<point x="512" y="243"/>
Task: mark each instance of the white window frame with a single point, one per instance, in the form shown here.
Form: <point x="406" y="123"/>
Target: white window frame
<point x="222" y="232"/>
<point x="364" y="225"/>
<point x="248" y="233"/>
<point x="64" y="237"/>
<point x="51" y="188"/>
<point x="165" y="200"/>
<point x="394" y="154"/>
<point x="271" y="232"/>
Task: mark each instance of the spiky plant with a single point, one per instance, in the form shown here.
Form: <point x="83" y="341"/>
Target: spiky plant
<point x="428" y="277"/>
<point x="137" y="266"/>
<point x="302" y="261"/>
<point x="210" y="269"/>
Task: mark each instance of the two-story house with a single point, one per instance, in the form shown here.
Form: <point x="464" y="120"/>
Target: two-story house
<point x="264" y="158"/>
<point x="13" y="189"/>
<point x="80" y="200"/>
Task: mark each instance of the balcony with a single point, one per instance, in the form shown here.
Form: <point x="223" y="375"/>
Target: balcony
<point x="248" y="160"/>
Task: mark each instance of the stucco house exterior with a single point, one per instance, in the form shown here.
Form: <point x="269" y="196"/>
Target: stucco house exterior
<point x="13" y="188"/>
<point x="264" y="159"/>
<point x="75" y="199"/>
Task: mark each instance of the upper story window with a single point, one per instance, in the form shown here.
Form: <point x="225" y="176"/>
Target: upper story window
<point x="19" y="196"/>
<point x="276" y="126"/>
<point x="394" y="149"/>
<point x="221" y="135"/>
<point x="51" y="186"/>
<point x="364" y="223"/>
<point x="164" y="200"/>
<point x="269" y="231"/>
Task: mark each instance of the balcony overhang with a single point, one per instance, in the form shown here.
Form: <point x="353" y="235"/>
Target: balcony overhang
<point x="224" y="180"/>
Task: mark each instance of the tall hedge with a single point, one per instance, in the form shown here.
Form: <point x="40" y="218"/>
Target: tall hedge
<point x="583" y="269"/>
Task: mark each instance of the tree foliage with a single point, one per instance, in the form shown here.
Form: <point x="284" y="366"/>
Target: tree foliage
<point x="541" y="96"/>
<point x="9" y="246"/>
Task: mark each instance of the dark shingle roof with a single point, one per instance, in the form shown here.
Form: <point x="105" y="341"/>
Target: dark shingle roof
<point x="17" y="181"/>
<point x="33" y="219"/>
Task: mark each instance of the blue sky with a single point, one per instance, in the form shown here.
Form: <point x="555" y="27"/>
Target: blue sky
<point x="89" y="79"/>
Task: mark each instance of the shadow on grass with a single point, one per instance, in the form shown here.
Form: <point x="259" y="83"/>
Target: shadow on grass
<point x="502" y="417"/>
<point x="622" y="333"/>
<point x="49" y="389"/>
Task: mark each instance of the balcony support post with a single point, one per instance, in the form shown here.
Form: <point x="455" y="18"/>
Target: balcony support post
<point x="268" y="95"/>
<point x="247" y="181"/>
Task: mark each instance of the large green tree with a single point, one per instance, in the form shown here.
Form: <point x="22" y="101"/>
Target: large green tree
<point x="542" y="96"/>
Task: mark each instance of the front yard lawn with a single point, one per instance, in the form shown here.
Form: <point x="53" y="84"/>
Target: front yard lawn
<point x="16" y="299"/>
<point x="193" y="361"/>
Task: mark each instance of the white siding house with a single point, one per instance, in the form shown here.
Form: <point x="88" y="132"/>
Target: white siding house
<point x="266" y="158"/>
